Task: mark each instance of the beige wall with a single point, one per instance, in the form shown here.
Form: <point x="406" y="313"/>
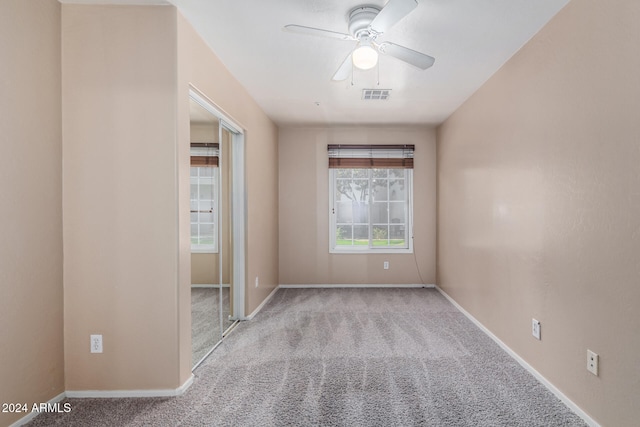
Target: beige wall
<point x="200" y="67"/>
<point x="205" y="269"/>
<point x="31" y="310"/>
<point x="539" y="205"/>
<point x="120" y="191"/>
<point x="304" y="207"/>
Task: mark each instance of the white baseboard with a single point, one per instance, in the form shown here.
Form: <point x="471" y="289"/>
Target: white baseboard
<point x="361" y="285"/>
<point x="204" y="285"/>
<point x="301" y="286"/>
<point x="553" y="389"/>
<point x="109" y="394"/>
<point x="262" y="304"/>
<point x="24" y="420"/>
<point x="83" y="394"/>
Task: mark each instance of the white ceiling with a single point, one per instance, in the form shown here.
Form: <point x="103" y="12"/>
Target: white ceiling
<point x="289" y="75"/>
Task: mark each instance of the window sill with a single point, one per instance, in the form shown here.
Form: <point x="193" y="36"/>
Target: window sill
<point x="371" y="251"/>
<point x="203" y="251"/>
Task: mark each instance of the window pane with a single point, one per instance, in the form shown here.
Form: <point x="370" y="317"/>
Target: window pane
<point x="379" y="173"/>
<point x="380" y="192"/>
<point x="397" y="212"/>
<point x="397" y="235"/>
<point x="194" y="233"/>
<point x="205" y="205"/>
<point x="396" y="189"/>
<point x="379" y="213"/>
<point x="194" y="190"/>
<point x="206" y="190"/>
<point x="360" y="189"/>
<point x="202" y="192"/>
<point x="343" y="212"/>
<point x="360" y="173"/>
<point x="380" y="235"/>
<point x="206" y="234"/>
<point x="371" y="207"/>
<point x="344" y="190"/>
<point x="360" y="212"/>
<point x="206" y="217"/>
<point x="344" y="235"/>
<point x="207" y="172"/>
<point x="343" y="173"/>
<point x="361" y="234"/>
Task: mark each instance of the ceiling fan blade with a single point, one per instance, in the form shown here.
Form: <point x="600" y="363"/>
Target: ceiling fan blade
<point x="407" y="55"/>
<point x="301" y="29"/>
<point x="394" y="11"/>
<point x="345" y="69"/>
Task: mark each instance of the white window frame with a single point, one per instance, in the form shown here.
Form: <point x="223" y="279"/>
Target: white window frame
<point x="200" y="248"/>
<point x="370" y="249"/>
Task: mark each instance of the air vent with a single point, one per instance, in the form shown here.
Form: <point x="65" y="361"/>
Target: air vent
<point x="376" y="94"/>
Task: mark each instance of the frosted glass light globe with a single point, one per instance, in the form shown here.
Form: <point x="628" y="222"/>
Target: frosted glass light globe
<point x="365" y="57"/>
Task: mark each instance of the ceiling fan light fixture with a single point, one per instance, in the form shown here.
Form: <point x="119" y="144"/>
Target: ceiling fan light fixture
<point x="365" y="57"/>
<point x="366" y="24"/>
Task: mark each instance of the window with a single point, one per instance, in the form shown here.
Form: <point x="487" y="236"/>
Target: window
<point x="204" y="197"/>
<point x="370" y="205"/>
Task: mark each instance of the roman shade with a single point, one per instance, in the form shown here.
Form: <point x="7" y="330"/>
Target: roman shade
<point x="391" y="156"/>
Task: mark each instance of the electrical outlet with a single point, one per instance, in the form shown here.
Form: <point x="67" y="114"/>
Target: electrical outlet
<point x="592" y="362"/>
<point x="535" y="328"/>
<point x="386" y="265"/>
<point x="96" y="343"/>
<point x="257" y="281"/>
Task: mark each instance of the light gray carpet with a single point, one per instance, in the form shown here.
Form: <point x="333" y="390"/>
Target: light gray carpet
<point x="206" y="330"/>
<point x="346" y="357"/>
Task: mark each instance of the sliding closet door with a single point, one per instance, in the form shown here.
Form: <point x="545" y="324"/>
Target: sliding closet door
<point x="206" y="244"/>
<point x="226" y="257"/>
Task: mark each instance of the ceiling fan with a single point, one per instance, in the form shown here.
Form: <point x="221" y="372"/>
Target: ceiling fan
<point x="366" y="25"/>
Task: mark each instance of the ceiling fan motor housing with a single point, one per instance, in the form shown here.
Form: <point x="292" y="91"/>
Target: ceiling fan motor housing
<point x="359" y="20"/>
